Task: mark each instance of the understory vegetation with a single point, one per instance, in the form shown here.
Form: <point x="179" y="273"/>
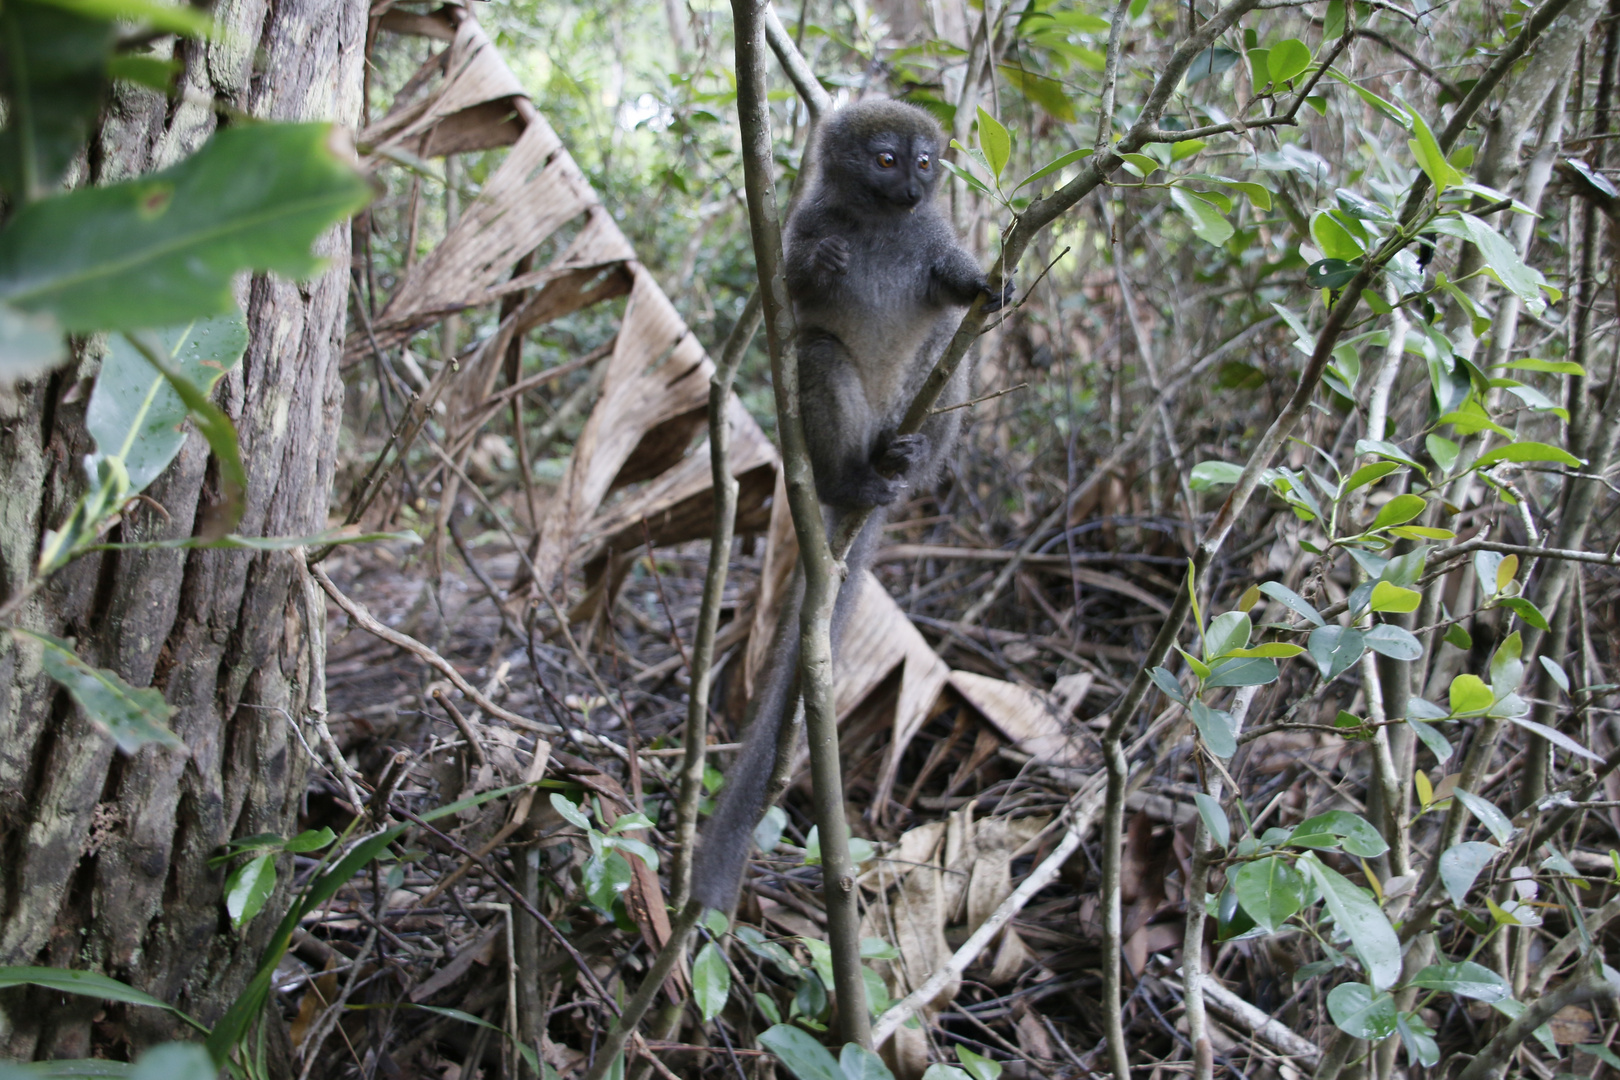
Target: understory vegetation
<point x="1246" y="696"/>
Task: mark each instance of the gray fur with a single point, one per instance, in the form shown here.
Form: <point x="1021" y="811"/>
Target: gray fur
<point x="878" y="285"/>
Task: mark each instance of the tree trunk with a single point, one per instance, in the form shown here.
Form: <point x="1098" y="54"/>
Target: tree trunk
<point x="103" y="858"/>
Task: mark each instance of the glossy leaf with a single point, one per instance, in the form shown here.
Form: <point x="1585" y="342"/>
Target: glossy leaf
<point x="1394" y="642"/>
<point x="1360" y="1011"/>
<point x="711" y="981"/>
<point x="135" y="415"/>
<point x="1430" y="736"/>
<point x="1055" y="166"/>
<point x="1249" y="671"/>
<point x="1215" y="726"/>
<point x="1523" y="281"/>
<point x="1528" y="451"/>
<point x="1429" y="157"/>
<point x="859" y="1063"/>
<point x="90" y="984"/>
<point x="1293" y="601"/>
<point x="1418" y="1039"/>
<point x="1360" y="918"/>
<point x="1356" y="836"/>
<point x="248" y="887"/>
<point x="1270" y="890"/>
<point x="130" y="717"/>
<point x="1208" y="223"/>
<point x="53" y="96"/>
<point x="1215" y="819"/>
<point x="1288" y="59"/>
<point x="1336" y="648"/>
<point x="1209" y="474"/>
<point x="803" y="1056"/>
<point x="1460" y="867"/>
<point x="161" y="250"/>
<point x="995" y="142"/>
<point x="1525" y="610"/>
<point x="1465" y="979"/>
<point x="1211" y="61"/>
<point x="1469" y="695"/>
<point x="1227" y="631"/>
<point x="1488" y="815"/>
<point x="1398" y="511"/>
<point x="1387" y="597"/>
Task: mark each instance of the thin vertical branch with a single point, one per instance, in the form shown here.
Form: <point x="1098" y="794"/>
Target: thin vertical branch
<point x="714" y="586"/>
<point x="815" y="558"/>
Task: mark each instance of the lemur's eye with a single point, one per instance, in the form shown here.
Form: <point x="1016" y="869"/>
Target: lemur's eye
<point x="923" y="162"/>
<point x="885" y="160"/>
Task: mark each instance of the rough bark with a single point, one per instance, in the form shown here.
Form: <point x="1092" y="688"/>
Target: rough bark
<point x="103" y="857"/>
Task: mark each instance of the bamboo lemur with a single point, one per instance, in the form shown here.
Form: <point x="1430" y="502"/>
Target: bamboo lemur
<point x="878" y="285"/>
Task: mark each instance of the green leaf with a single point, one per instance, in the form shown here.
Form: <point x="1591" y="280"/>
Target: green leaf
<point x="1360" y="918"/>
<point x="1523" y="281"/>
<point x="172" y="18"/>
<point x="1140" y="164"/>
<point x="1443" y="450"/>
<point x="311" y="840"/>
<point x="1253" y="671"/>
<point x="1512" y="1009"/>
<point x="1465" y="979"/>
<point x="1431" y="737"/>
<point x="1333" y="24"/>
<point x="1367" y="474"/>
<point x="1208" y="224"/>
<point x="1181" y="151"/>
<point x="1528" y="451"/>
<point x="1054" y="166"/>
<point x="711" y="981"/>
<point x="86" y="984"/>
<point x="214" y="425"/>
<point x="1288" y="58"/>
<point x="1293" y="601"/>
<point x="1429" y="158"/>
<point x="859" y="1063"/>
<point x="1358" y="1011"/>
<point x="1398" y="511"/>
<point x="641" y="850"/>
<point x="1356" y="836"/>
<point x="248" y="887"/>
<point x="1335" y="649"/>
<point x="1276" y="650"/>
<point x="1418" y="1038"/>
<point x="803" y="1056"/>
<point x="161" y="250"/>
<point x="768" y="833"/>
<point x="1555" y="367"/>
<point x="1602" y="1053"/>
<point x="1167" y="683"/>
<point x="1556" y="671"/>
<point x="1211" y="61"/>
<point x="1227" y="631"/>
<point x="1051" y="95"/>
<point x="174" y="1061"/>
<point x="1469" y="695"/>
<point x="1460" y="867"/>
<point x="53" y="91"/>
<point x="1208" y="474"/>
<point x="1334" y="239"/>
<point x="570" y="812"/>
<point x="995" y="142"/>
<point x="1270" y="890"/>
<point x="1330" y="274"/>
<point x="1488" y="815"/>
<point x="1215" y="726"/>
<point x="966" y="177"/>
<point x="136" y="415"/>
<point x="30" y="345"/>
<point x="1215" y="819"/>
<point x="1387" y="597"/>
<point x="527" y="1052"/>
<point x="130" y="717"/>
<point x="977" y="1066"/>
<point x="1394" y="642"/>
